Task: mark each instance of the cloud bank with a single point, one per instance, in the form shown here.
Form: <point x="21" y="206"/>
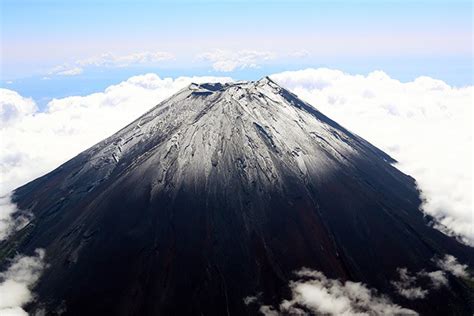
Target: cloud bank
<point x="425" y="124"/>
<point x="17" y="282"/>
<point x="314" y="293"/>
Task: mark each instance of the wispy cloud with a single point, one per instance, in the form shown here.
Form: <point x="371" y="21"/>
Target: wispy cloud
<point x="450" y="264"/>
<point x="413" y="285"/>
<point x="302" y="53"/>
<point x="226" y="60"/>
<point x="314" y="293"/>
<point x="407" y="286"/>
<point x="11" y="219"/>
<point x="66" y="71"/>
<point x="109" y="60"/>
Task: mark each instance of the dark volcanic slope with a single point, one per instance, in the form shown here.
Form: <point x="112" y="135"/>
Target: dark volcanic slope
<point x="218" y="193"/>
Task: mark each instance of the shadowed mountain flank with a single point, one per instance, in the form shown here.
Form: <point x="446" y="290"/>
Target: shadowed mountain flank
<point x="220" y="193"/>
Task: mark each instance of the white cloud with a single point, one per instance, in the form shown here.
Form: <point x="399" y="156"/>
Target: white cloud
<point x="13" y="311"/>
<point x="438" y="278"/>
<point x="7" y="208"/>
<point x="64" y="70"/>
<point x="71" y="72"/>
<point x="13" y="107"/>
<point x="407" y="287"/>
<point x="425" y="124"/>
<point x="11" y="219"/>
<point x="450" y="264"/>
<point x="302" y="53"/>
<point x="226" y="60"/>
<point x="268" y="311"/>
<point x="110" y="60"/>
<point x="34" y="143"/>
<point x="250" y="299"/>
<point x="17" y="282"/>
<point x="314" y="292"/>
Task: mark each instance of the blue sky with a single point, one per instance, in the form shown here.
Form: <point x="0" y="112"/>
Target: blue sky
<point x="56" y="48"/>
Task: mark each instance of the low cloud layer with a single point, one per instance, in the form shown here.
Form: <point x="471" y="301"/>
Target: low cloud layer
<point x="17" y="281"/>
<point x="226" y="61"/>
<point x="110" y="60"/>
<point x="425" y="124"/>
<point x="313" y="292"/>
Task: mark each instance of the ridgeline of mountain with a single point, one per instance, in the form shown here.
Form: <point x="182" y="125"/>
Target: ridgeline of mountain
<point x="219" y="193"/>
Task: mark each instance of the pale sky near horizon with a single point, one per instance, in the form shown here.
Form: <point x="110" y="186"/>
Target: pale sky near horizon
<point x="52" y="48"/>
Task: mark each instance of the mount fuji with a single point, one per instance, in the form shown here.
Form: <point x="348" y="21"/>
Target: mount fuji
<point x="219" y="194"/>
